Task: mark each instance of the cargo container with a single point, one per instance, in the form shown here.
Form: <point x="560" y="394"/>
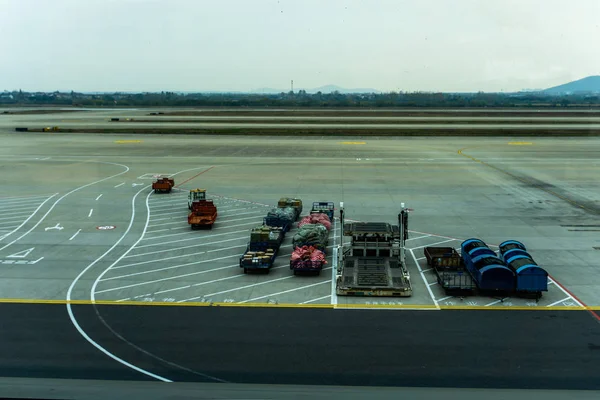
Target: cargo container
<point x="163" y="185"/>
<point x="262" y="249"/>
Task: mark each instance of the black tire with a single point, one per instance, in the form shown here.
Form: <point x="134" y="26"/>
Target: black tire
<point x="245" y="270"/>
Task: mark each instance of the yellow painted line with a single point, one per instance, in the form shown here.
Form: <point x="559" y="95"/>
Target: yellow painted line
<point x="127" y="141"/>
<point x="292" y="305"/>
<point x="520" y="143"/>
<point x="353" y="142"/>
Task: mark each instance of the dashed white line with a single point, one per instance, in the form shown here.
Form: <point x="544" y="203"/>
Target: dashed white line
<point x="286" y="291"/>
<point x="98" y="198"/>
<point x="76" y="233"/>
<point x="120" y="184"/>
<point x="91" y="211"/>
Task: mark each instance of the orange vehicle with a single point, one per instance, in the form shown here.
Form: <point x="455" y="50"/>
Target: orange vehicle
<point x="163" y="184"/>
<point x="203" y="212"/>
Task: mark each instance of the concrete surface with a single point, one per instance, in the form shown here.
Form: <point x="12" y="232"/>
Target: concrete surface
<point x="490" y="190"/>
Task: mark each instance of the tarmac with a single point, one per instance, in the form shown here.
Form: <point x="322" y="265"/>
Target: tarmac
<point x="79" y="222"/>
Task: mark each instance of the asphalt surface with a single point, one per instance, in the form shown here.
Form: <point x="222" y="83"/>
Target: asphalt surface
<point x="477" y="349"/>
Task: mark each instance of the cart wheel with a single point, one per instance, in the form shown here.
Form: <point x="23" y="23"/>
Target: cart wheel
<point x="295" y="272"/>
<point x="245" y="270"/>
<point x="210" y="227"/>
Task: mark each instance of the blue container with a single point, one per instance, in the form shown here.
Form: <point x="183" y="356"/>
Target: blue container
<point x="514" y="253"/>
<point x="471" y="244"/>
<point x="490" y="273"/>
<point x="531" y="277"/>
<point x="480" y="252"/>
<point x="511" y="244"/>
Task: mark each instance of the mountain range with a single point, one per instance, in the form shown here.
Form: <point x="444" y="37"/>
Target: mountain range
<point x="587" y="84"/>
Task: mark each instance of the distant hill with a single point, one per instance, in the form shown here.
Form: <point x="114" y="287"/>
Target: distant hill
<point x="589" y="84"/>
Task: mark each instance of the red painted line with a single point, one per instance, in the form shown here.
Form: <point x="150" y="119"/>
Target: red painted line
<point x="195" y="176"/>
<point x="576" y="298"/>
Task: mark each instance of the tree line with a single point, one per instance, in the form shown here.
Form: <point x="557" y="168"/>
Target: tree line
<point x="299" y="99"/>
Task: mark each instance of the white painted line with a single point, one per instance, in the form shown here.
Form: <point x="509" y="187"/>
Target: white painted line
<point x="171" y="278"/>
<point x="432" y="244"/>
<point x="285" y="291"/>
<point x="178" y="266"/>
<point x="427" y="270"/>
<point x="445" y="298"/>
<point x="241" y="287"/>
<point x="560" y="301"/>
<point x="120" y="184"/>
<point x="550" y="282"/>
<point x="98" y="198"/>
<point x="14" y="216"/>
<point x="201" y="283"/>
<point x="493" y="302"/>
<point x="20" y="208"/>
<point x="317" y="299"/>
<point x="163" y="214"/>
<point x="432" y="283"/>
<point x="91" y="211"/>
<point x="76" y="233"/>
<point x="193" y="237"/>
<point x="421" y="258"/>
<point x="562" y="290"/>
<point x="437" y="306"/>
<point x="31" y="202"/>
<point x="174" y="257"/>
<point x="258" y="212"/>
<point x="31" y="216"/>
<point x="7" y="229"/>
<point x="187" y="228"/>
<point x="74" y="320"/>
<point x="182" y="220"/>
<point x="181" y="248"/>
<point x="21" y="254"/>
<point x="334" y="264"/>
<point x="418" y="237"/>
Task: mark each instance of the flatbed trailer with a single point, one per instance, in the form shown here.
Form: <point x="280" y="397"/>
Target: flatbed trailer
<point x="258" y="260"/>
<point x="325" y="207"/>
<point x="450" y="270"/>
<point x="203" y="214"/>
<point x="308" y="266"/>
<point x="373" y="263"/>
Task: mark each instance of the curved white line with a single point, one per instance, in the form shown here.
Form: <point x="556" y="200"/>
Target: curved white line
<point x="65" y="195"/>
<point x="31" y="216"/>
<point x="92" y="292"/>
<point x="74" y="320"/>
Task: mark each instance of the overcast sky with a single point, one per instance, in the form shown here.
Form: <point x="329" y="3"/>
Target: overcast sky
<point x="147" y="45"/>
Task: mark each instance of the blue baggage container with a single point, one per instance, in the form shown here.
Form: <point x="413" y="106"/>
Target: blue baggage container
<point x="530" y="277"/>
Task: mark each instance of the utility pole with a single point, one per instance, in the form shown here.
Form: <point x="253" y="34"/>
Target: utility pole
<point x="292" y="86"/>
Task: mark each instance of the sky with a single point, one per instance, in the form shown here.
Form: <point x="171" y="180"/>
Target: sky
<point x="241" y="45"/>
